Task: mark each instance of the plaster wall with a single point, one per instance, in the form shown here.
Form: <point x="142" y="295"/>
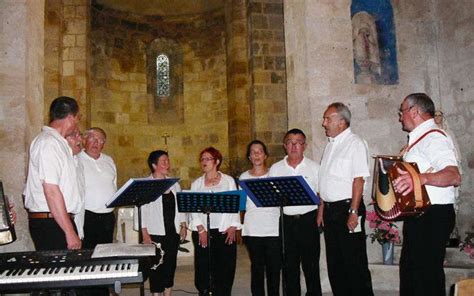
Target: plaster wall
<point x="21" y="101"/>
<point x="435" y="55"/>
<point x="455" y="45"/>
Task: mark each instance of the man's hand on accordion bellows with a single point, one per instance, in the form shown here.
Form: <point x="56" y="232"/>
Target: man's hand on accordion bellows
<point x="404" y="183"/>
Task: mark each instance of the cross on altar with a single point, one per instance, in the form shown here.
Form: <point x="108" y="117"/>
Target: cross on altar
<point x="165" y="137"/>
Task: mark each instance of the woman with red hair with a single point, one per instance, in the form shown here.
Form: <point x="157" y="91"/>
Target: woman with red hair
<point x="222" y="230"/>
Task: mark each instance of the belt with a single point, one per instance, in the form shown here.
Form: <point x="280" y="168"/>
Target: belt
<point x="297" y="216"/>
<point x="44" y="215"/>
<point x="330" y="204"/>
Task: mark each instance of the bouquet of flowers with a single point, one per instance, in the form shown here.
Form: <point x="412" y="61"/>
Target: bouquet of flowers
<point x="467" y="245"/>
<point x="383" y="231"/>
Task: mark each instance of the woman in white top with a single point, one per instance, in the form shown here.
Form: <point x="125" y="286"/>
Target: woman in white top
<point x="260" y="230"/>
<point x="161" y="223"/>
<point x="223" y="249"/>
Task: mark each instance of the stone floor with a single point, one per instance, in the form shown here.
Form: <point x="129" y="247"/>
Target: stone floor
<point x="184" y="279"/>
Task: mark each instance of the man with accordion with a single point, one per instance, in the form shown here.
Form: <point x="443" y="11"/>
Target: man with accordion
<point x="425" y="236"/>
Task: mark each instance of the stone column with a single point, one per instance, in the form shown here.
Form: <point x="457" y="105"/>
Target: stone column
<point x="238" y="83"/>
<point x="21" y="102"/>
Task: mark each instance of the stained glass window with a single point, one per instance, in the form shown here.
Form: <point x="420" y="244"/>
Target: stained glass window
<point x="162" y="76"/>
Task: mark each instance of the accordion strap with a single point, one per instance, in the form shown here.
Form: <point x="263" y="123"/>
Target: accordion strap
<point x="424" y="135"/>
<point x="416" y="185"/>
<point x="414" y="175"/>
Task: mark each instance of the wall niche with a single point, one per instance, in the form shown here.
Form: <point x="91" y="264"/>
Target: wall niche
<point x="165" y="102"/>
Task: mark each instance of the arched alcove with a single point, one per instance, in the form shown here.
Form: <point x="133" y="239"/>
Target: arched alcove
<point x="165" y="107"/>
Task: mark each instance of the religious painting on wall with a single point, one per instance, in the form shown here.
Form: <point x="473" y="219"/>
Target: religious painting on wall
<point x="374" y="42"/>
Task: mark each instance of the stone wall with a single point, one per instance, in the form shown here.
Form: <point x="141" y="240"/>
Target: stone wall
<point x="66" y="28"/>
<point x="267" y="68"/>
<point x="119" y="97"/>
<point x="435" y="55"/>
<point x="238" y="83"/>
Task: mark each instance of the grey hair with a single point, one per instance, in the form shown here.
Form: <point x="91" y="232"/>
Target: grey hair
<point x="422" y="101"/>
<point x="96" y="129"/>
<point x="343" y="111"/>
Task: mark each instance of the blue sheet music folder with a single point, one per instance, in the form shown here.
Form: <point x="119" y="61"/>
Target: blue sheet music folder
<point x="139" y="191"/>
<point x="269" y="192"/>
<point x="218" y="202"/>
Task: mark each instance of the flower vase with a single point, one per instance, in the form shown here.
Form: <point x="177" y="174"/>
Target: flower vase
<point x="388" y="249"/>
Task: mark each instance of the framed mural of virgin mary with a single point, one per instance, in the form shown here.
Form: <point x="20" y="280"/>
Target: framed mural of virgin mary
<point x="374" y="42"/>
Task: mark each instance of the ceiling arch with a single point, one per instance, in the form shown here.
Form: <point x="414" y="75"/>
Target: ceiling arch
<point x="163" y="7"/>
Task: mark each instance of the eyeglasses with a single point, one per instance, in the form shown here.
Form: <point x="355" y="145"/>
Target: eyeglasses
<point x="95" y="139"/>
<point x="401" y="111"/>
<point x="207" y="159"/>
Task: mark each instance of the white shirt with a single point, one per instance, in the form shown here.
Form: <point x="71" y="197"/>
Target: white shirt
<point x="345" y="157"/>
<point x="100" y="182"/>
<point x="51" y="161"/>
<point x="263" y="221"/>
<point x="434" y="151"/>
<point x="152" y="214"/>
<point x="306" y="168"/>
<point x="79" y="217"/>
<point x="217" y="220"/>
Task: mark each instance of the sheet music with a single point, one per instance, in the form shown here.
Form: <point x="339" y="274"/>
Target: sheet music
<point x="123" y="250"/>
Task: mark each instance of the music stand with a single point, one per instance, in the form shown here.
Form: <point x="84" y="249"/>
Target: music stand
<point x="137" y="192"/>
<point x="207" y="203"/>
<point x="280" y="192"/>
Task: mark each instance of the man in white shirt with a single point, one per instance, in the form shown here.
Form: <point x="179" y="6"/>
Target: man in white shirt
<point x="425" y="236"/>
<point x="75" y="142"/>
<point x="344" y="168"/>
<point x="100" y="176"/>
<point x="301" y="231"/>
<point x="51" y="193"/>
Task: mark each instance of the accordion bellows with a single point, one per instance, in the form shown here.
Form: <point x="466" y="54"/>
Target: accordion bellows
<point x="7" y="229"/>
<point x="389" y="204"/>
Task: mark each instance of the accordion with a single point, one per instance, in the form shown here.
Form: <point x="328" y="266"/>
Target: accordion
<point x="389" y="204"/>
<point x="7" y="230"/>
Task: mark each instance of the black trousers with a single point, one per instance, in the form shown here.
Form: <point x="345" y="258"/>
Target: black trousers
<point x="423" y="252"/>
<point x="302" y="247"/>
<point x="98" y="229"/>
<point x="223" y="264"/>
<point x="47" y="235"/>
<point x="346" y="253"/>
<point x="265" y="259"/>
<point x="163" y="276"/>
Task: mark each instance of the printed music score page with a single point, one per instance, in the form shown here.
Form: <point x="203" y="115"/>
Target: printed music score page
<point x="123" y="250"/>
